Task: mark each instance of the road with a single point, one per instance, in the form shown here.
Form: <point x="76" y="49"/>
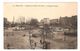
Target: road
<point x="20" y="40"/>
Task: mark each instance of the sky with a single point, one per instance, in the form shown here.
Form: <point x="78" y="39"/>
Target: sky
<point x="39" y="10"/>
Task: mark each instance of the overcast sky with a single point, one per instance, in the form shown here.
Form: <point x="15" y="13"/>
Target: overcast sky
<point x="39" y="10"/>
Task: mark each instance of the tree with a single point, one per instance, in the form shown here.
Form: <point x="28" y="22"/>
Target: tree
<point x="34" y="22"/>
<point x="21" y="21"/>
<point x="6" y="23"/>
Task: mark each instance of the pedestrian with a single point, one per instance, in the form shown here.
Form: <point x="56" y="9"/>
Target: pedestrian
<point x="35" y="44"/>
<point x="41" y="41"/>
<point x="8" y="45"/>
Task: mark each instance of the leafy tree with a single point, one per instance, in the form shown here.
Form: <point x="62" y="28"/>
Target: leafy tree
<point x="6" y="23"/>
<point x="34" y="22"/>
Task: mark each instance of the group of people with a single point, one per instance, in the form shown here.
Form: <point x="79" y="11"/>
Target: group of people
<point x="43" y="44"/>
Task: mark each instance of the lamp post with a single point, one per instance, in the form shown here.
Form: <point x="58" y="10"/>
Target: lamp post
<point x="30" y="35"/>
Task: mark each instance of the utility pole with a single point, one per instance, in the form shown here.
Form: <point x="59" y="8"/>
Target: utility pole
<point x="13" y="26"/>
<point x="13" y="21"/>
<point x="30" y="35"/>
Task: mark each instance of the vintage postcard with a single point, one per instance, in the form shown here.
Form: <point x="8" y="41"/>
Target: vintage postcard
<point x="40" y="25"/>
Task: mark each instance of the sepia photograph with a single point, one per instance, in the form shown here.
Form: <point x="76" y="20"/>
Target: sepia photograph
<point x="40" y="25"/>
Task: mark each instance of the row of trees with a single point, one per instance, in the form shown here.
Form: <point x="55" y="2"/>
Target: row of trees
<point x="22" y="23"/>
<point x="69" y="22"/>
